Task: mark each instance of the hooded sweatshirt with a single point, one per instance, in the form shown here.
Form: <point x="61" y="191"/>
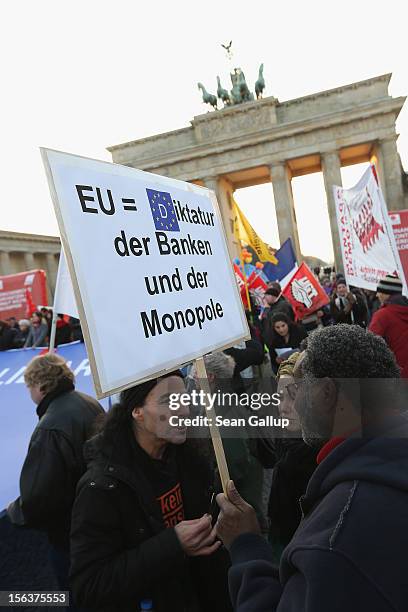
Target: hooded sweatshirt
<point x="391" y="323"/>
<point x="351" y="548"/>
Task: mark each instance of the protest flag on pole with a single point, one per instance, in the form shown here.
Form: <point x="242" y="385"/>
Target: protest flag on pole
<point x="243" y="289"/>
<point x="30" y="304"/>
<point x="368" y="246"/>
<point x="286" y="266"/>
<point x="248" y="300"/>
<point x="64" y="297"/>
<point x="244" y="232"/>
<point x="305" y="293"/>
<point x="399" y="222"/>
<point x="257" y="287"/>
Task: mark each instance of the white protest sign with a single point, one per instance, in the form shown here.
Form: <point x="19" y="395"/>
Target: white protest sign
<point x="149" y="265"/>
<point x="367" y="241"/>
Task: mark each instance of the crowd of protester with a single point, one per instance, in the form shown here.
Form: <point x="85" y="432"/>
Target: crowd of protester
<point x="127" y="499"/>
<point x="36" y="331"/>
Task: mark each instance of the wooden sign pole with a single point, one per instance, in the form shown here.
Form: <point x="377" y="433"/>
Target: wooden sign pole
<point x="214" y="431"/>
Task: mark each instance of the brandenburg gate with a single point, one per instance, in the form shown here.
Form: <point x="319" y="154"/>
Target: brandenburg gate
<point x="267" y="140"/>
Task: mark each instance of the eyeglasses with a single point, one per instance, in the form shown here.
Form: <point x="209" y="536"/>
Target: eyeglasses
<point x="291" y="389"/>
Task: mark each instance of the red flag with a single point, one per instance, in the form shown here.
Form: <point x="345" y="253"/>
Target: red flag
<point x="305" y="293"/>
<point x="30" y="304"/>
<point x="241" y="285"/>
<point x="257" y="287"/>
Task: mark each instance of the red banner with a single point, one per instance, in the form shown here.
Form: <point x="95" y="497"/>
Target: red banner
<point x="305" y="293"/>
<point x="14" y="289"/>
<point x="399" y="222"/>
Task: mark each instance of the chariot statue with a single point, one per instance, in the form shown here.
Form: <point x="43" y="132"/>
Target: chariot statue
<point x="240" y="92"/>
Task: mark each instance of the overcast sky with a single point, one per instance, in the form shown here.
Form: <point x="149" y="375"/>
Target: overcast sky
<point x="82" y="75"/>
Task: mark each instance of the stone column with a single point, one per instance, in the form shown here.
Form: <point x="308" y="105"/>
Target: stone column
<point x="332" y="176"/>
<point x="29" y="261"/>
<point x="5" y="264"/>
<point x="223" y="191"/>
<point x="284" y="206"/>
<point x="392" y="173"/>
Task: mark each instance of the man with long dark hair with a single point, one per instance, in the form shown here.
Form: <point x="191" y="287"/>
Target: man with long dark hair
<point x="140" y="528"/>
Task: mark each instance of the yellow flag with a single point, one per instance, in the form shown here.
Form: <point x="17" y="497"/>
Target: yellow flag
<point x="244" y="232"/>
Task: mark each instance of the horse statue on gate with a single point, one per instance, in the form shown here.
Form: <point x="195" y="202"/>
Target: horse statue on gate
<point x="208" y="98"/>
<point x="223" y="93"/>
<point x="260" y="83"/>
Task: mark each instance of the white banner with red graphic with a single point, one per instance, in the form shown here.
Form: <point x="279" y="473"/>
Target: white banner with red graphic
<point x="367" y="241"/>
<point x="305" y="293"/>
<point x="399" y="222"/>
<point x="256" y="286"/>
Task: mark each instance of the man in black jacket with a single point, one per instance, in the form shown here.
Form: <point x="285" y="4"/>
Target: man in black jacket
<point x="54" y="462"/>
<point x="348" y="306"/>
<point x="352" y="541"/>
<point x="141" y="531"/>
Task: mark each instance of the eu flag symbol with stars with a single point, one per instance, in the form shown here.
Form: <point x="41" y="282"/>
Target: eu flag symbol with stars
<point x="163" y="213"/>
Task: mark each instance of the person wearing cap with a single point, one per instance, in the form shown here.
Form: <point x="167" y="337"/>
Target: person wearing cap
<point x="141" y="528"/>
<point x="274" y="301"/>
<point x="348" y="306"/>
<point x="390" y="321"/>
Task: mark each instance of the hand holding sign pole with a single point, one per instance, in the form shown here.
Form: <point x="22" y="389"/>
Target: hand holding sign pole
<point x="151" y="250"/>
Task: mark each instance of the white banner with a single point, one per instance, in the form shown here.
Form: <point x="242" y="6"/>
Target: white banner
<point x="367" y="241"/>
<point x="64" y="298"/>
<point x="149" y="266"/>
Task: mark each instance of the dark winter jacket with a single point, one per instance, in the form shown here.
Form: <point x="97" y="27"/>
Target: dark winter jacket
<point x="62" y="332"/>
<point x="359" y="310"/>
<point x="20" y="337"/>
<point x="293" y="463"/>
<point x="7" y="335"/>
<point x="391" y="323"/>
<point x="252" y="354"/>
<point x="280" y="306"/>
<point x="55" y="463"/>
<point x="349" y="549"/>
<point x="296" y="334"/>
<point x="121" y="550"/>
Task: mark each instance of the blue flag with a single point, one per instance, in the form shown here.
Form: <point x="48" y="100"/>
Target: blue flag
<point x="163" y="212"/>
<point x="286" y="262"/>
